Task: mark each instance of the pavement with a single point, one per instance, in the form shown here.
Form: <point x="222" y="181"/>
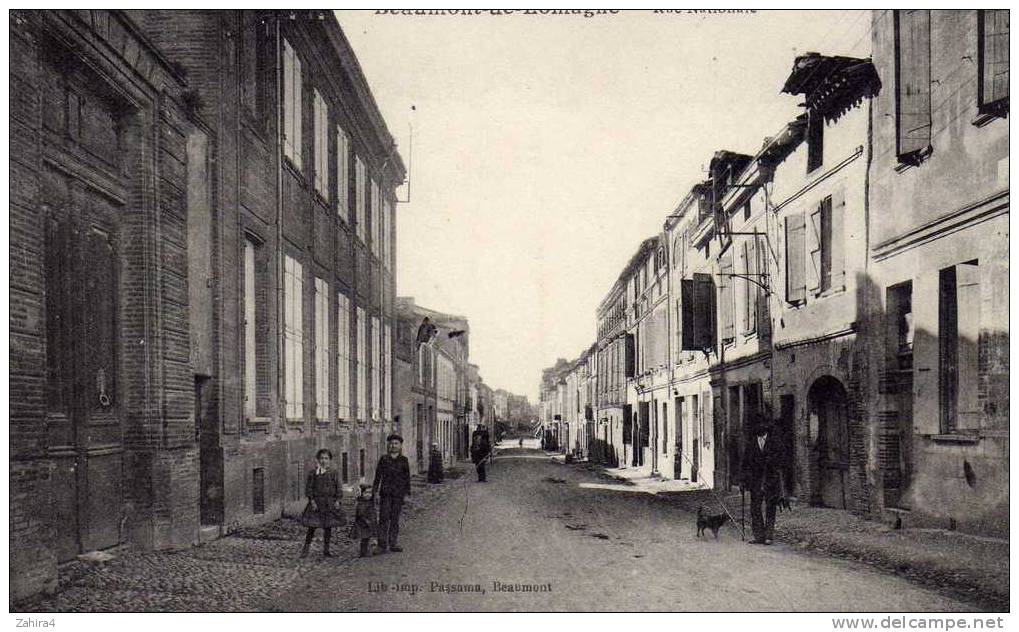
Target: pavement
<point x="539" y="536"/>
<point x="974" y="568"/>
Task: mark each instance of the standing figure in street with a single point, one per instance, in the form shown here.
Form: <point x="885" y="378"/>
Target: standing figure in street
<point x="323" y="509"/>
<point x="364" y="526"/>
<point x="480" y="449"/>
<point x="392" y="484"/>
<point x="764" y="463"/>
<point x="435" y="474"/>
<point x="521" y="442"/>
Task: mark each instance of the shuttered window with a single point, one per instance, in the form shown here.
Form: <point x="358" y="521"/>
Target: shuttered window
<point x="750" y="288"/>
<point x="913" y="84"/>
<point x="342" y="174"/>
<point x="292" y="98"/>
<point x="795" y="273"/>
<point x="362" y="366"/>
<point x="321" y="116"/>
<point x="322" y="350"/>
<point x="958" y="338"/>
<point x="360" y="176"/>
<point x="342" y="357"/>
<point x="726" y="305"/>
<point x="293" y="337"/>
<point x="250" y="349"/>
<point x="836" y="257"/>
<point x="993" y="51"/>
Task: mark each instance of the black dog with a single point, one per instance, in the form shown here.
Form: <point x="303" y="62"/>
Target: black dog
<point x="710" y="522"/>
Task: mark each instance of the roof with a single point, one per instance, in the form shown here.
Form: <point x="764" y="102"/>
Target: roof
<point x="832" y="85"/>
<point x="647" y="246"/>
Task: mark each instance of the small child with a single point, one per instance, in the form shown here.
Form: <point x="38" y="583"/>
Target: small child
<point x="364" y="526"/>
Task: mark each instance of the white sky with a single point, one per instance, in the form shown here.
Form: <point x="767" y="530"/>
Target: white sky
<point x="547" y="147"/>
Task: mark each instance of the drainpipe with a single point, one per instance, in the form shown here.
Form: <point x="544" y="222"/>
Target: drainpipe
<point x="280" y="379"/>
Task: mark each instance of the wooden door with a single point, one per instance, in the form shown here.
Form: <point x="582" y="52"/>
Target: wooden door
<point x="83" y="420"/>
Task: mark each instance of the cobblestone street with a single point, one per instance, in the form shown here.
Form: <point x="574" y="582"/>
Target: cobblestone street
<point x="576" y="541"/>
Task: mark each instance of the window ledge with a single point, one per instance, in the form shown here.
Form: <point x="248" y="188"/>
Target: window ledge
<point x="830" y="292"/>
<point x="955" y="438"/>
<point x="259" y="421"/>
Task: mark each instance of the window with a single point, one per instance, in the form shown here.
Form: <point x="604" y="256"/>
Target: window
<point x="342" y="357"/>
<point x="390" y="233"/>
<point x="751" y="291"/>
<point x="795" y="271"/>
<point x="374" y="219"/>
<point x="321" y="113"/>
<point x="292" y="98"/>
<point x="360" y="468"/>
<point x="665" y="428"/>
<point x="746" y="210"/>
<point x="815" y="143"/>
<point x="387" y="377"/>
<point x="322" y="350"/>
<point x="726" y="297"/>
<point x="958" y="338"/>
<point x="899" y="330"/>
<point x="250" y="328"/>
<point x="376" y="359"/>
<point x="345" y="467"/>
<point x="826" y="244"/>
<point x="362" y="367"/>
<point x="359" y="192"/>
<point x="912" y="84"/>
<point x="342" y="174"/>
<point x="992" y="36"/>
<point x="697" y="304"/>
<point x="293" y="338"/>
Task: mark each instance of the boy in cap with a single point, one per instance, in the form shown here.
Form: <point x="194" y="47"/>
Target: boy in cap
<point x="392" y="483"/>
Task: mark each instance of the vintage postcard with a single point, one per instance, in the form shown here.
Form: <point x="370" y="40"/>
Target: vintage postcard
<point x="510" y="310"/>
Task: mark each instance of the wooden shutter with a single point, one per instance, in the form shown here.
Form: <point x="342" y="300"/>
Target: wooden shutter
<point x="753" y="293"/>
<point x="687" y="331"/>
<point x="725" y="297"/>
<point x="704" y="312"/>
<point x="838" y="238"/>
<point x="288" y="99"/>
<point x="993" y="56"/>
<point x="796" y="291"/>
<point x="630" y="351"/>
<point x="913" y="83"/>
<point x="967" y="288"/>
<point x="814" y="240"/>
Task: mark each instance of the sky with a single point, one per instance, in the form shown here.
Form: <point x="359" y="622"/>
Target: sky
<point x="546" y="148"/>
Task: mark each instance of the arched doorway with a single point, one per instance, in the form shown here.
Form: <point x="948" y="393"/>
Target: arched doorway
<point x="829" y="435"/>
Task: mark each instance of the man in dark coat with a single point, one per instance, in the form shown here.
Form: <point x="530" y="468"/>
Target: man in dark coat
<point x="480" y="449"/>
<point x="764" y="463"/>
<point x="391" y="485"/>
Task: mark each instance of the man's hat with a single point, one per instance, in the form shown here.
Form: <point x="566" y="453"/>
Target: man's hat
<point x="761" y="424"/>
<point x="394" y="436"/>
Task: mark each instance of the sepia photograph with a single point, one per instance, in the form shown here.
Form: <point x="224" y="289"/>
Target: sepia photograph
<point x="693" y="311"/>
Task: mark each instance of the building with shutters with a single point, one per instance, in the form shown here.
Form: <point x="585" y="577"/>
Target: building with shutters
<point x="295" y="334"/>
<point x="615" y="361"/>
<point x="102" y="432"/>
<point x="938" y="269"/>
<point x="818" y="197"/>
<point x="210" y="299"/>
<point x="688" y="230"/>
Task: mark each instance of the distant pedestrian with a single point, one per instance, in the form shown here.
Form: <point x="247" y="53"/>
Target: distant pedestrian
<point x="435" y="474"/>
<point x="364" y="526"/>
<point x="392" y="484"/>
<point x="521" y="442"/>
<point x="480" y="450"/>
<point x="764" y="463"/>
<point x="323" y="491"/>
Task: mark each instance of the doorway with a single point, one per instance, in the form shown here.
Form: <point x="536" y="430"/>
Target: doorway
<point x="210" y="456"/>
<point x="829" y="426"/>
<point x="678" y="460"/>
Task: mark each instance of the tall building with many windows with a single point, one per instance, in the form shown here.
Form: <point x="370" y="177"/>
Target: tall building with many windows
<point x="225" y="185"/>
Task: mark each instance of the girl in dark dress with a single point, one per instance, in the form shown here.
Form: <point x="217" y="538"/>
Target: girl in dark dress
<point x="364" y="526"/>
<point x="323" y="509"/>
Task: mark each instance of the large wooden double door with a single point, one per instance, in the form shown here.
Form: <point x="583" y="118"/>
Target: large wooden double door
<point x="83" y="399"/>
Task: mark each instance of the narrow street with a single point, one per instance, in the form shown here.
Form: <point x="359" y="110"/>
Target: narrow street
<point x="596" y="546"/>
